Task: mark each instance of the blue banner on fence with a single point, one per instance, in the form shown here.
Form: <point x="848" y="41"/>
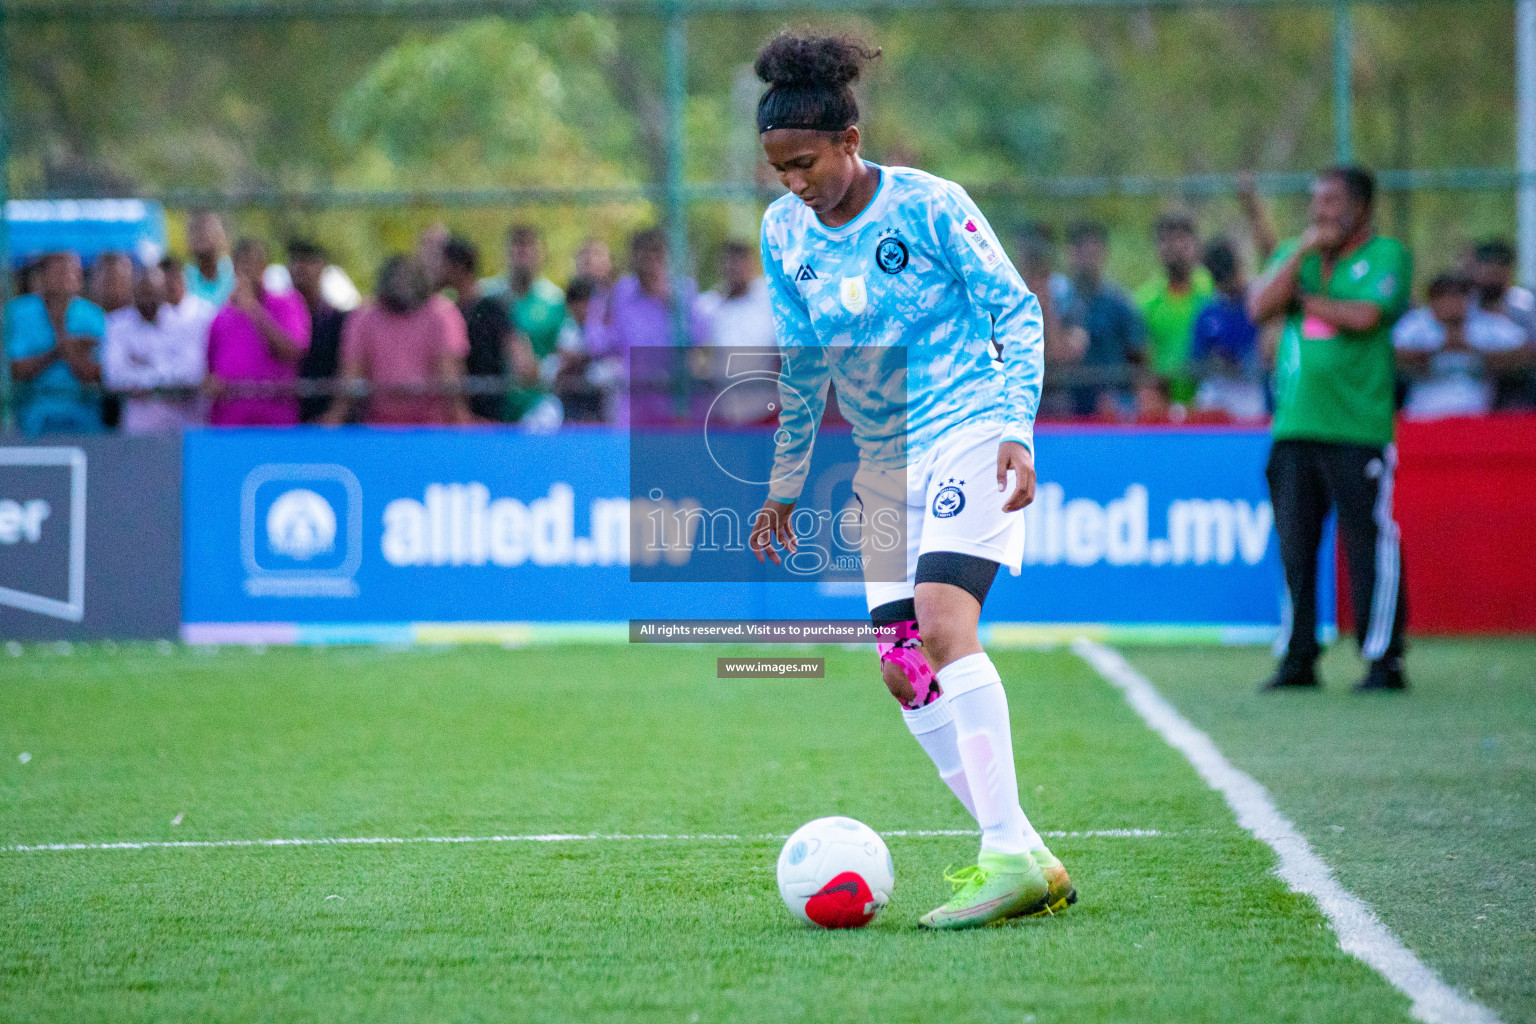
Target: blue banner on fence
<point x="355" y="528"/>
<point x="88" y="227"/>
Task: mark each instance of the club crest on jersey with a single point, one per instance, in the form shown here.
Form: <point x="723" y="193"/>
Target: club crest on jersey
<point x="806" y="273"/>
<point x="950" y="500"/>
<point x="985" y="249"/>
<point x="854" y="295"/>
<point x="891" y="254"/>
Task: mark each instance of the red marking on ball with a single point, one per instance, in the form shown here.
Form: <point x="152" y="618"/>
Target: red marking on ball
<point x="844" y="902"/>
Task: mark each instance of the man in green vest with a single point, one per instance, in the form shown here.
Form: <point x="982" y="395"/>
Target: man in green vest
<point x="1340" y="287"/>
<point x="1170" y="302"/>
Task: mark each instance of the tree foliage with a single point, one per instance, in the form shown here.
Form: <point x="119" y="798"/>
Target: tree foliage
<point x="995" y="99"/>
<point x="493" y="102"/>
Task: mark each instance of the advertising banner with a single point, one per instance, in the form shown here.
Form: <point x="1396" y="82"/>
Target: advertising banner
<point x="1153" y="526"/>
<point x="1466" y="501"/>
<point x="90" y="539"/>
<point x="300" y="535"/>
<point x="88" y="227"/>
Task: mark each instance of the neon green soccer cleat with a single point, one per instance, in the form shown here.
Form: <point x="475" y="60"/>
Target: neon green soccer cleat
<point x="998" y="887"/>
<point x="1062" y="893"/>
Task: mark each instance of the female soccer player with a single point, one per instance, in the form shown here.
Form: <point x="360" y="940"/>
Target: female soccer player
<point x="863" y="261"/>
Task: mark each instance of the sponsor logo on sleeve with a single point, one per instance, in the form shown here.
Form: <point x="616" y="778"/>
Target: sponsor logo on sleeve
<point x="986" y="250"/>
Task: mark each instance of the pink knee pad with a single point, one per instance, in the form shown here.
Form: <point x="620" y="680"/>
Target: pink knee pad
<point x="907" y="654"/>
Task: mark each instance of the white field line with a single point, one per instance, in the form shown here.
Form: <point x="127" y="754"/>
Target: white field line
<point x="551" y="837"/>
<point x="1361" y="933"/>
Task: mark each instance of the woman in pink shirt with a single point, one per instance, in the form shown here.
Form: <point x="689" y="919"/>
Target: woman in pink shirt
<point x="409" y="344"/>
<point x="256" y="340"/>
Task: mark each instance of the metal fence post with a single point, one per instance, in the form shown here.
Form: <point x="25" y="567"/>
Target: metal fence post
<point x="1525" y="135"/>
<point x="1343" y="83"/>
<point x="675" y="197"/>
<point x="7" y="414"/>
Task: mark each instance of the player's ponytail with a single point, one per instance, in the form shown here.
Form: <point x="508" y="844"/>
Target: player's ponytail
<point x="810" y="81"/>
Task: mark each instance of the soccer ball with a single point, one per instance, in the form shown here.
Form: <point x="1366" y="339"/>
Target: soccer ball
<point x="836" y="873"/>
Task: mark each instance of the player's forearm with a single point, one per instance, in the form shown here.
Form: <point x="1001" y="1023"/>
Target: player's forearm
<point x="1023" y="370"/>
<point x="792" y="460"/>
<point x="1051" y="327"/>
<point x="802" y="401"/>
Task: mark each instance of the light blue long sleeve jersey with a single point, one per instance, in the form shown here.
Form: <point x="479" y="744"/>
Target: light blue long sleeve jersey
<point x="918" y="273"/>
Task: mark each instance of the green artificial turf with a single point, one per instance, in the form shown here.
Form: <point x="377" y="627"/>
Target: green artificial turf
<point x="1423" y="802"/>
<point x="1190" y="925"/>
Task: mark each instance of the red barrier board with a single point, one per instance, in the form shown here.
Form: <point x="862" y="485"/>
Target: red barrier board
<point x="1466" y="503"/>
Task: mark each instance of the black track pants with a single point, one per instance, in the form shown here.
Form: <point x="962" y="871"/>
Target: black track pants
<point x="1306" y="479"/>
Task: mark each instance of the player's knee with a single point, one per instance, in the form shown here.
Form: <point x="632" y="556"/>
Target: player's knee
<point x="897" y="681"/>
<point x="950" y="591"/>
<point x="948" y="633"/>
<point x="943" y="640"/>
<point x="906" y="671"/>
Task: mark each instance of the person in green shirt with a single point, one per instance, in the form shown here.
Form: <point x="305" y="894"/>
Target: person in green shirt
<point x="537" y="305"/>
<point x="1170" y="302"/>
<point x="1339" y="289"/>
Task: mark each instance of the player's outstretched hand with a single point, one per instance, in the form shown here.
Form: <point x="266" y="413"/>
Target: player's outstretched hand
<point x="772" y="524"/>
<point x="1013" y="456"/>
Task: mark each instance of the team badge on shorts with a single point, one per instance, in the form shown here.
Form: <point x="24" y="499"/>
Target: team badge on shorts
<point x="949" y="502"/>
<point x="891" y="254"/>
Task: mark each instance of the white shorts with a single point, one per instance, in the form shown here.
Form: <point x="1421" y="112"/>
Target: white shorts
<point x="951" y="503"/>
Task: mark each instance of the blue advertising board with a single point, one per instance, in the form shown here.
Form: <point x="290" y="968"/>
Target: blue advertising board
<point x="359" y="534"/>
<point x="1139" y="525"/>
<point x="88" y="227"/>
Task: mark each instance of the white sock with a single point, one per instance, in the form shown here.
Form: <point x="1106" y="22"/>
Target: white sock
<point x="934" y="728"/>
<point x="974" y="692"/>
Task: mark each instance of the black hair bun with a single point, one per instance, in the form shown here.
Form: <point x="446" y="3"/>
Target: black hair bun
<point x="807" y="60"/>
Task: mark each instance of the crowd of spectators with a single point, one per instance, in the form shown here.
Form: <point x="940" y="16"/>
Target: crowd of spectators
<point x="230" y="338"/>
<point x="1181" y="347"/>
